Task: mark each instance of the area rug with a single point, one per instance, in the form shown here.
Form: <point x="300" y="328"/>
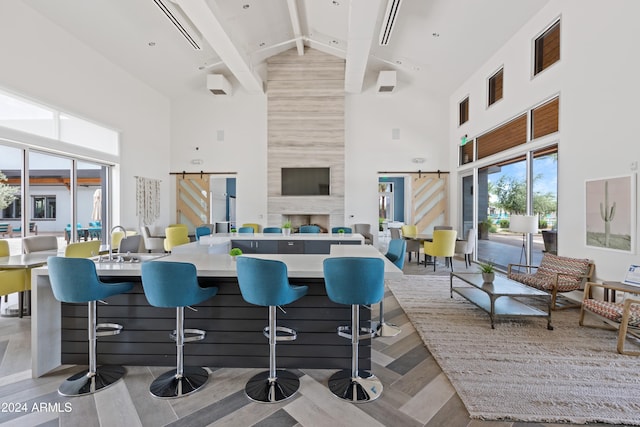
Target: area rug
<point x="520" y="371"/>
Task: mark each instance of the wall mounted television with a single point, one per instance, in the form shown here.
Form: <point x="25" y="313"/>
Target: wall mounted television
<point x="305" y="181"/>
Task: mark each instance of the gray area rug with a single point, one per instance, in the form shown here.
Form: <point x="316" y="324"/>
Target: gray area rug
<point x="521" y="371"/>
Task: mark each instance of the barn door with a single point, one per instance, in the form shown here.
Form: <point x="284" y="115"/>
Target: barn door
<point x="193" y="199"/>
<point x="430" y="200"/>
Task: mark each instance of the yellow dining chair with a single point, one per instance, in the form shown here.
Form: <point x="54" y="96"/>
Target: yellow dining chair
<point x="409" y="231"/>
<point x="13" y="280"/>
<point x="175" y="236"/>
<point x="443" y="245"/>
<point x="82" y="249"/>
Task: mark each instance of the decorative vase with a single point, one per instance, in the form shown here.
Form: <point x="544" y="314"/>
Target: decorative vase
<point x="286" y="231"/>
<point x="488" y="277"/>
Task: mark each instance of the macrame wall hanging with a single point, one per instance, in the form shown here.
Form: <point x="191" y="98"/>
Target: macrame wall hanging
<point x="147" y="199"/>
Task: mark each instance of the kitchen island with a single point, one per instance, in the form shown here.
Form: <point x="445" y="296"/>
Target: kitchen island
<point x="234" y="328"/>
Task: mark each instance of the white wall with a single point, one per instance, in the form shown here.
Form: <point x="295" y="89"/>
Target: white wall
<point x="196" y="119"/>
<point x="369" y="119"/>
<point x="597" y="81"/>
<point x="42" y="62"/>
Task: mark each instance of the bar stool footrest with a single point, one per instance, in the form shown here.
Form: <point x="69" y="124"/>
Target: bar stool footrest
<point x="365" y="333"/>
<point x="365" y="387"/>
<point x="194" y="335"/>
<point x="170" y="386"/>
<point x="85" y="382"/>
<point x="385" y="329"/>
<point x="291" y="333"/>
<point x="261" y="388"/>
<point x="112" y="329"/>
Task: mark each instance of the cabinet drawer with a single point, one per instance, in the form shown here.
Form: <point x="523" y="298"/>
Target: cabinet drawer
<point x="290" y="247"/>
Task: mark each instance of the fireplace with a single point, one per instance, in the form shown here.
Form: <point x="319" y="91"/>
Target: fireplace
<point x="297" y="220"/>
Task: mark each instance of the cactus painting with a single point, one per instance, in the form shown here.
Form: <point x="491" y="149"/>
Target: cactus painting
<point x="610" y="220"/>
<point x="607" y="214"/>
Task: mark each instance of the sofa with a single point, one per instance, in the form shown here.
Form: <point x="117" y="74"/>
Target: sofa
<point x="555" y="274"/>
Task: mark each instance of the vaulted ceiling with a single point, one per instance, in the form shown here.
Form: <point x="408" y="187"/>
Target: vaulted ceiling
<point x="434" y="45"/>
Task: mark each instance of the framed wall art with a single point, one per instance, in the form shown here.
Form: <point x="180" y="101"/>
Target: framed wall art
<point x="610" y="213"/>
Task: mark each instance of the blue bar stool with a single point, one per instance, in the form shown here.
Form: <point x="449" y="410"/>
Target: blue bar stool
<point x="175" y="285"/>
<point x="395" y="254"/>
<point x="354" y="281"/>
<point x="265" y="282"/>
<point x="74" y="280"/>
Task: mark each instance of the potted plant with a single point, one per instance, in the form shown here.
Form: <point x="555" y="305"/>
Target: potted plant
<point x="341" y="232"/>
<point x="286" y="228"/>
<point x="234" y="252"/>
<point x="488" y="272"/>
<point x="234" y="231"/>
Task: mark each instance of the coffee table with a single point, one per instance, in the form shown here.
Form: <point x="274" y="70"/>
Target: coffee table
<point x="501" y="298"/>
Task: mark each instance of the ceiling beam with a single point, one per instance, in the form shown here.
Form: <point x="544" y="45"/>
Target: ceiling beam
<point x="214" y="33"/>
<point x="363" y="15"/>
<point x="295" y="23"/>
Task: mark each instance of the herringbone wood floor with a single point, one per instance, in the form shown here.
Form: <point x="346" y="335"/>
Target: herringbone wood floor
<point x="416" y="392"/>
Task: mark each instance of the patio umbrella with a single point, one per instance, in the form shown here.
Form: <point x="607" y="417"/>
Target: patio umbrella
<point x="96" y="214"/>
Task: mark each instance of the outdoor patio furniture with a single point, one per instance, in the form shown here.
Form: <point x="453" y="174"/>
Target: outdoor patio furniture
<point x="555" y="274"/>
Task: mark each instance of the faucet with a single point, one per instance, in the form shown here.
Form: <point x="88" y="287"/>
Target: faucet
<point x="116" y="227"/>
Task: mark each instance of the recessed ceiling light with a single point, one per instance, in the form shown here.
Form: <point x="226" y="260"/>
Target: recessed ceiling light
<point x="152" y="44"/>
<point x="436" y="35"/>
<point x="246" y="6"/>
<point x="262" y="44"/>
<point x="336" y="3"/>
<point x="399" y="62"/>
<point x="334" y="41"/>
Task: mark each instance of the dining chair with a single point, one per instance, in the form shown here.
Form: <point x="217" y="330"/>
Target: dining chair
<point x="395" y="233"/>
<point x="256" y="227"/>
<point x="82" y="249"/>
<point x="466" y="247"/>
<point x="202" y="231"/>
<point x="346" y="230"/>
<point x="130" y="244"/>
<point x="268" y="230"/>
<point x="13" y="280"/>
<point x="309" y="229"/>
<point x="175" y="236"/>
<point x="365" y="230"/>
<point x="409" y="232"/>
<point x="32" y="244"/>
<point x="443" y="245"/>
<point x="151" y="243"/>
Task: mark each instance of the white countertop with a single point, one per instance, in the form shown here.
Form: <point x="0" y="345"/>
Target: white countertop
<point x="222" y="265"/>
<point x="223" y="237"/>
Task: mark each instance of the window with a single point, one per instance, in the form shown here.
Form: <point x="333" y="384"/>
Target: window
<point x="44" y="207"/>
<point x="495" y="87"/>
<point x="464" y="110"/>
<point x="13" y="210"/>
<point x="544" y="119"/>
<point x="509" y="135"/>
<point x="547" y="48"/>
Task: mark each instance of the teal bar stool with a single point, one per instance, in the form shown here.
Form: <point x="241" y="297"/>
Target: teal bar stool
<point x="175" y="285"/>
<point x="74" y="280"/>
<point x="354" y="281"/>
<point x="396" y="254"/>
<point x="202" y="231"/>
<point x="309" y="229"/>
<point x="346" y="230"/>
<point x="265" y="283"/>
<point x="248" y="230"/>
<point x="272" y="230"/>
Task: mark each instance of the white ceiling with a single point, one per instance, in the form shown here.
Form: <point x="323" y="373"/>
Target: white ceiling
<point x="470" y="31"/>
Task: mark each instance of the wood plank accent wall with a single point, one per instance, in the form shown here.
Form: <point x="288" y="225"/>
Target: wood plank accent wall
<point x="504" y="137"/>
<point x="305" y="119"/>
<point x="234" y="331"/>
<point x="544" y="119"/>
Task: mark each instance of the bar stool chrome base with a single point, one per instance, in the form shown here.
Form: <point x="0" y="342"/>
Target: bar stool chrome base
<point x="365" y="387"/>
<point x="170" y="386"/>
<point x="387" y="330"/>
<point x="85" y="382"/>
<point x="260" y="388"/>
